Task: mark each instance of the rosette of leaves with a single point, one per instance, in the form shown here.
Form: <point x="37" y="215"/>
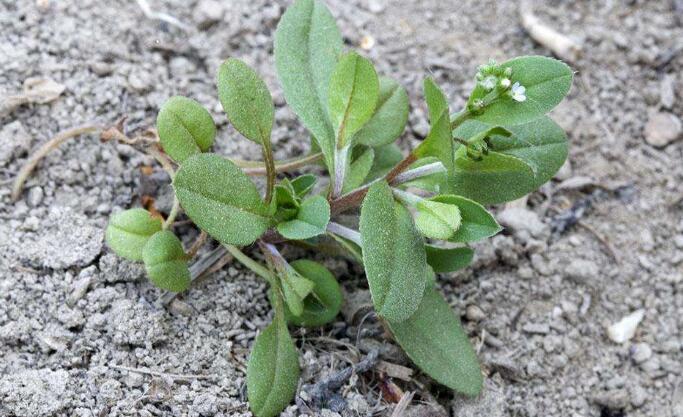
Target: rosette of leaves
<point x="417" y="213"/>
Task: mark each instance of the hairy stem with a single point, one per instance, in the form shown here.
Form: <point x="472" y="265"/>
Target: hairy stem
<point x="162" y="159"/>
<point x="345" y="232"/>
<point x="270" y="170"/>
<point x="419" y="172"/>
<point x="341" y="156"/>
<point x="173" y="214"/>
<point x="258" y="269"/>
<point x="258" y="168"/>
<point x="408" y="199"/>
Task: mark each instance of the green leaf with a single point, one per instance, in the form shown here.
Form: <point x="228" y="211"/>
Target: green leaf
<point x="432" y="182"/>
<point x="390" y="117"/>
<point x="435" y="341"/>
<point x="547" y="82"/>
<point x="322" y="305"/>
<point x="359" y="170"/>
<point x="166" y="262"/>
<point x="272" y="371"/>
<point x="307" y="46"/>
<point x="448" y="259"/>
<point x="437" y="220"/>
<point x="128" y="232"/>
<point x="185" y="128"/>
<point x="295" y="289"/>
<point x="393" y="254"/>
<point x="221" y="199"/>
<point x="246" y="100"/>
<point x="439" y="142"/>
<point x="386" y="157"/>
<point x="303" y="184"/>
<point x="476" y="222"/>
<point x="310" y="221"/>
<point x="352" y="97"/>
<point x="540" y="144"/>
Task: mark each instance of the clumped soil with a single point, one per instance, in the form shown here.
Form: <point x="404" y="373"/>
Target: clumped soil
<point x="76" y="322"/>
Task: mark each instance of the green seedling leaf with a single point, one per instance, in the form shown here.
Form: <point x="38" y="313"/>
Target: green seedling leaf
<point x="437" y="220"/>
<point x="166" y="262"/>
<point x="390" y="117"/>
<point x="302" y="185"/>
<point x="352" y="97"/>
<point x="246" y="100"/>
<point x="439" y="142"/>
<point x="322" y="305"/>
<point x="185" y="128"/>
<point x="129" y="230"/>
<point x="310" y="221"/>
<point x="546" y="82"/>
<point x="272" y="371"/>
<point x="448" y="259"/>
<point x="541" y="144"/>
<point x="476" y="222"/>
<point x="221" y="199"/>
<point x="435" y="341"/>
<point x="386" y="157"/>
<point x="295" y="289"/>
<point x="359" y="170"/>
<point x="307" y="46"/>
<point x="393" y="254"/>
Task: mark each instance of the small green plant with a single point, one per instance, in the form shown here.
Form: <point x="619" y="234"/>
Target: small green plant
<point x="417" y="212"/>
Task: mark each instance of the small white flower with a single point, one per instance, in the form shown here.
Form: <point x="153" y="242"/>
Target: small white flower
<point x="489" y="83"/>
<point x="505" y="83"/>
<point x="517" y="92"/>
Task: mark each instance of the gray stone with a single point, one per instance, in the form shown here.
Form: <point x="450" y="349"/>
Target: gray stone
<point x="520" y="219"/>
<point x="640" y="352"/>
<point x="667" y="94"/>
<point x="662" y="128"/>
<point x="14" y="141"/>
<point x="32" y="393"/>
<point x="536" y="328"/>
<point x="491" y="403"/>
<point x="616" y="399"/>
<point x="582" y="271"/>
<point x="208" y="12"/>
<point x="638" y="396"/>
<point x="34" y="196"/>
<point x="474" y="313"/>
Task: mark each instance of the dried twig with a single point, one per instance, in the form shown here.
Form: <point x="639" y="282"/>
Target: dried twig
<point x="400" y="409"/>
<point x="180" y="377"/>
<point x="601" y="239"/>
<point x="43" y="151"/>
<point x="562" y="46"/>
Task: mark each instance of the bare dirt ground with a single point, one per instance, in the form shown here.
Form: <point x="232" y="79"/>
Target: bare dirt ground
<point x="74" y="319"/>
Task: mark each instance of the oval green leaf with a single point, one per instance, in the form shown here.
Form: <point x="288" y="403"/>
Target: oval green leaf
<point x="128" y="232"/>
<point x="221" y="199"/>
<point x="547" y="82"/>
<point x="166" y="262"/>
<point x="435" y="341"/>
<point x="448" y="259"/>
<point x="439" y="142"/>
<point x="246" y="100"/>
<point x="185" y="128"/>
<point x="437" y="220"/>
<point x="272" y="371"/>
<point x="310" y="221"/>
<point x="322" y="305"/>
<point x="541" y="144"/>
<point x="352" y="96"/>
<point x="476" y="222"/>
<point x="393" y="254"/>
<point x="307" y="46"/>
<point x="390" y="117"/>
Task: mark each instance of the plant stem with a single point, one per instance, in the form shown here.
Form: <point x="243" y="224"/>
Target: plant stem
<point x="344" y="232"/>
<point x="405" y="197"/>
<point x="259" y="168"/>
<point x="258" y="269"/>
<point x="162" y="159"/>
<point x="173" y="214"/>
<point x="419" y="172"/>
<point x="270" y="170"/>
<point x="341" y="156"/>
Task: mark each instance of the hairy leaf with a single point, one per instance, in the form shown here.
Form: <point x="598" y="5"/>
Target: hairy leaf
<point x="352" y="97"/>
<point x="185" y="128"/>
<point x="393" y="254"/>
<point x="307" y="46"/>
<point x="303" y="184"/>
<point x="386" y="157"/>
<point x="439" y="142"/>
<point x="322" y="305"/>
<point x="437" y="220"/>
<point x="390" y="117"/>
<point x="221" y="199"/>
<point x="435" y="341"/>
<point x="246" y="100"/>
<point x="448" y="259"/>
<point x="272" y="371"/>
<point x="128" y="232"/>
<point x="166" y="262"/>
<point x="295" y="289"/>
<point x="476" y="223"/>
<point x="359" y="170"/>
<point x="546" y="80"/>
<point x="541" y="144"/>
<point x="310" y="221"/>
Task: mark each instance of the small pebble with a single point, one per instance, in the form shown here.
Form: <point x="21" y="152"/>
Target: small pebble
<point x="640" y="352"/>
<point x="35" y="196"/>
<point x="662" y="128"/>
<point x="625" y="329"/>
<point x="536" y="328"/>
<point x="474" y="313"/>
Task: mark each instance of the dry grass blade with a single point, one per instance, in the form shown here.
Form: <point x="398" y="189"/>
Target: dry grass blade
<point x="400" y="409"/>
